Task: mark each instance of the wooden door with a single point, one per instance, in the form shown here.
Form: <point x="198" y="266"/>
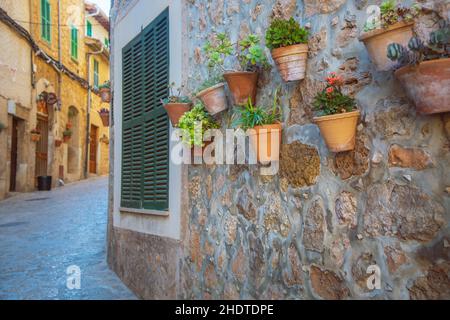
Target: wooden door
<point x="93" y="149"/>
<point x="13" y="171"/>
<point x="42" y="148"/>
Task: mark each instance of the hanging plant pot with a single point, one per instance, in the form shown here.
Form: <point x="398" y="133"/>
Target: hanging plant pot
<point x="377" y="41"/>
<point x="214" y="98"/>
<point x="261" y="142"/>
<point x="339" y="130"/>
<point x="291" y="61"/>
<point x="58" y="143"/>
<point x="176" y="110"/>
<point x="242" y="85"/>
<point x="35" y="137"/>
<point x="105" y="95"/>
<point x="66" y="139"/>
<point x="426" y="85"/>
<point x="52" y="99"/>
<point x="105" y="119"/>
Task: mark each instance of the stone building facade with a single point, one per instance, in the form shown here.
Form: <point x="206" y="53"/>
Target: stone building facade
<point x="313" y="230"/>
<point x="49" y="66"/>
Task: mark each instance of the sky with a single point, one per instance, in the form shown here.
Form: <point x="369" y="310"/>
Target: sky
<point x="103" y="4"/>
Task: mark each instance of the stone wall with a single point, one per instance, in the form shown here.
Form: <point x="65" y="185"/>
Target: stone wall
<point x="312" y="231"/>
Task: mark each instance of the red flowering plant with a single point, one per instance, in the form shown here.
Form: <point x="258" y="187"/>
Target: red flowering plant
<point x="332" y="100"/>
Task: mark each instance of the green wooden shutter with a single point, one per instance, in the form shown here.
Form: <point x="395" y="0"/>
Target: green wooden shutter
<point x="46" y="20"/>
<point x="145" y="136"/>
<point x="96" y="74"/>
<point x="88" y="28"/>
<point x="74" y="43"/>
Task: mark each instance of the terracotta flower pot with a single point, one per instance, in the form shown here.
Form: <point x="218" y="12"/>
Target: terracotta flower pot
<point x="427" y="85"/>
<point x="66" y="139"/>
<point x="261" y="142"/>
<point x="339" y="130"/>
<point x="105" y="95"/>
<point x="291" y="61"/>
<point x="242" y="85"/>
<point x="378" y="40"/>
<point x="176" y="111"/>
<point x="105" y="119"/>
<point x="214" y="98"/>
<point x="35" y="137"/>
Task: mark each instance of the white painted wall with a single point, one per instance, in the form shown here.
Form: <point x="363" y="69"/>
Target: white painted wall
<point x="141" y="14"/>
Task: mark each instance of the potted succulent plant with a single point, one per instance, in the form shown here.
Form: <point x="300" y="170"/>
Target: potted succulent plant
<point x="105" y="91"/>
<point x="67" y="134"/>
<point x="289" y="44"/>
<point x="260" y="125"/>
<point x="424" y="70"/>
<point x="188" y="123"/>
<point x="251" y="57"/>
<point x="337" y="115"/>
<point x="395" y="25"/>
<point x="212" y="94"/>
<point x="176" y="105"/>
<point x="35" y="135"/>
<point x="104" y="115"/>
<point x="2" y="126"/>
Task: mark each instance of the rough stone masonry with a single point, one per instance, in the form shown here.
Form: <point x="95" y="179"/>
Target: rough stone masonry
<point x="311" y="231"/>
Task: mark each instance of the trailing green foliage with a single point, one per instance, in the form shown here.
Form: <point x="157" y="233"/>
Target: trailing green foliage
<point x="175" y="98"/>
<point x="438" y="47"/>
<point x="67" y="133"/>
<point x="248" y="52"/>
<point x="249" y="116"/>
<point x="194" y="124"/>
<point x="283" y="33"/>
<point x="332" y="100"/>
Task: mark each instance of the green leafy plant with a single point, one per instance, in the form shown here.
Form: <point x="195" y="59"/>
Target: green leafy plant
<point x="175" y="97"/>
<point x="391" y="13"/>
<point x="211" y="82"/>
<point x="332" y="100"/>
<point x="438" y="47"/>
<point x="283" y="33"/>
<point x="67" y="133"/>
<point x="105" y="85"/>
<point x="190" y="124"/>
<point x="248" y="52"/>
<point x="249" y="116"/>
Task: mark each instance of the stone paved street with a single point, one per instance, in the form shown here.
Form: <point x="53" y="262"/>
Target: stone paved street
<point x="42" y="234"/>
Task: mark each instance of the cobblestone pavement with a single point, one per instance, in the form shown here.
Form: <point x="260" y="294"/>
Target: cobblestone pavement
<point x="42" y="234"/>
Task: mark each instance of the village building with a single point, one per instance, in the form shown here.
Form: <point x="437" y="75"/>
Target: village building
<point x="56" y="60"/>
<point x="319" y="227"/>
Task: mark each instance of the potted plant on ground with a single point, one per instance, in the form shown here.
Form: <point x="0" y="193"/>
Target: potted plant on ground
<point x="251" y="57"/>
<point x="212" y="94"/>
<point x="189" y="123"/>
<point x="2" y="126"/>
<point x="260" y="125"/>
<point x="67" y="134"/>
<point x="104" y="115"/>
<point x="105" y="91"/>
<point x="337" y="116"/>
<point x="424" y="70"/>
<point x="35" y="135"/>
<point x="289" y="44"/>
<point x="395" y="24"/>
<point x="176" y="105"/>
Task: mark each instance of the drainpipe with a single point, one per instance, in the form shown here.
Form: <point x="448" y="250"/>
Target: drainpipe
<point x="59" y="103"/>
<point x="88" y="112"/>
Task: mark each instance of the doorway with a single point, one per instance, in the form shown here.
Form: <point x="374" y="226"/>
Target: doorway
<point x="14" y="140"/>
<point x="93" y="150"/>
<point x="42" y="148"/>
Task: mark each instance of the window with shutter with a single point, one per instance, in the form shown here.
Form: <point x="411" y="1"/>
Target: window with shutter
<point x="74" y="43"/>
<point x="145" y="136"/>
<point x="46" y="20"/>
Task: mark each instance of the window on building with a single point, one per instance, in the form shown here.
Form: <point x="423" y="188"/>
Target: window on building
<point x="96" y="74"/>
<point x="74" y="43"/>
<point x="88" y="28"/>
<point x="145" y="136"/>
<point x="46" y="20"/>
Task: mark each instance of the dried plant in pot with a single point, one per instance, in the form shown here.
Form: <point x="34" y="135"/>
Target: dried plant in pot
<point x="395" y="25"/>
<point x="251" y="57"/>
<point x="104" y="115"/>
<point x="105" y="92"/>
<point x="289" y="44"/>
<point x="35" y="135"/>
<point x="424" y="70"/>
<point x="212" y="94"/>
<point x="67" y="135"/>
<point x="264" y="129"/>
<point x="194" y="124"/>
<point x="176" y="105"/>
<point x="337" y="116"/>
